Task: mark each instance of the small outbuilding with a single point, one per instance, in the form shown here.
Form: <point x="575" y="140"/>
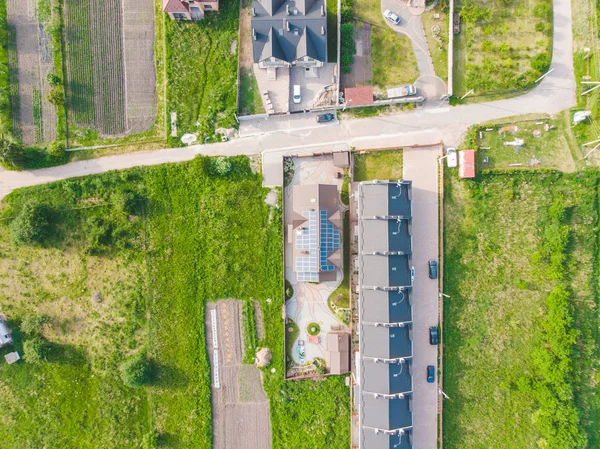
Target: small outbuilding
<point x="359" y="96"/>
<point x="12" y="357"/>
<point x="338" y="345"/>
<point x="5" y="334"/>
<point x="341" y="159"/>
<point x="466" y="164"/>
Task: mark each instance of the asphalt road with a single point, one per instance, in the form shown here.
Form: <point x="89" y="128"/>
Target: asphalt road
<point x="555" y="93"/>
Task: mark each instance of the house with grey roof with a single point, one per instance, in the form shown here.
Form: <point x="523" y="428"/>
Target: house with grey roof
<point x="289" y="33"/>
<point x="384" y="395"/>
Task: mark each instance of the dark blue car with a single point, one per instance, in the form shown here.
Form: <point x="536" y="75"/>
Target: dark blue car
<point x="433" y="269"/>
<point x="431" y="374"/>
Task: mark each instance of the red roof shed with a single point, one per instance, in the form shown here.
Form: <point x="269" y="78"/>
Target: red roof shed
<point x="466" y="164"/>
<point x="359" y="96"/>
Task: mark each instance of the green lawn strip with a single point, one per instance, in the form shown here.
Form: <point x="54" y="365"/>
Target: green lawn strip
<point x="378" y="165"/>
<point x="249" y="334"/>
<point x="341" y="295"/>
<point x="513" y="248"/>
<point x="438" y="46"/>
<point x="5" y="69"/>
<point x="192" y="247"/>
<point x="250" y="98"/>
<point x="369" y="11"/>
<point x="393" y="58"/>
<point x="502" y="47"/>
<point x="202" y="78"/>
<point x="332" y="12"/>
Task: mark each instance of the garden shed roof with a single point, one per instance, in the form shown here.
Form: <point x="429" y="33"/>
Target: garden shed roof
<point x="175" y="6"/>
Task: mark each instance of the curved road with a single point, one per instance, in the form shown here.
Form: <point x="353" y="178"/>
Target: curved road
<point x="555" y="93"/>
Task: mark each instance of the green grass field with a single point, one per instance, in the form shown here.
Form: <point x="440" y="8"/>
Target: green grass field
<point x="378" y="165"/>
<point x="497" y="43"/>
<point x="250" y="101"/>
<point x="393" y="58"/>
<point x="182" y="242"/>
<point x="201" y="78"/>
<point x="520" y="329"/>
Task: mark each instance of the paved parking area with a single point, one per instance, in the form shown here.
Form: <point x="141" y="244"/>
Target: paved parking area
<point x="278" y="89"/>
<point x="421" y="167"/>
<point x="311" y="84"/>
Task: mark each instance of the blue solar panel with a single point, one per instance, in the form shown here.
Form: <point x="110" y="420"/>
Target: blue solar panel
<point x="330" y="241"/>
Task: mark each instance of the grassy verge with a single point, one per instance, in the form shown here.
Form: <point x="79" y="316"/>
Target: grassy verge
<point x="520" y="339"/>
<point x="374" y="111"/>
<point x="250" y="98"/>
<point x="378" y="165"/>
<point x="503" y="47"/>
<point x="5" y="69"/>
<point x="332" y="40"/>
<point x="202" y="78"/>
<point x="393" y="58"/>
<point x="369" y="11"/>
<point x="340" y="298"/>
<point x="157" y="243"/>
<point x="437" y="41"/>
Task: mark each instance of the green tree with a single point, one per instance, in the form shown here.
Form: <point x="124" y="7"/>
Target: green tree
<point x="136" y="371"/>
<point x="32" y="224"/>
<point x="473" y="13"/>
<point x="123" y="201"/>
<point x="221" y="165"/>
<point x="11" y="153"/>
<point x="33" y="350"/>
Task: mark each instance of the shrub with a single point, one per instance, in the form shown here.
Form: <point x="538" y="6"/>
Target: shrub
<point x="540" y="26"/>
<point x="347" y="11"/>
<point x="150" y="440"/>
<point x="123" y="201"/>
<point x="56" y="148"/>
<point x="56" y="97"/>
<point x="541" y="62"/>
<point x="32" y="225"/>
<point x="220" y="165"/>
<point x="11" y="154"/>
<point x="542" y="10"/>
<point x="472" y="13"/>
<point x="348" y="47"/>
<point x="136" y="371"/>
<point x="31" y="324"/>
<point x="487" y="45"/>
<point x="53" y="79"/>
<point x="33" y="350"/>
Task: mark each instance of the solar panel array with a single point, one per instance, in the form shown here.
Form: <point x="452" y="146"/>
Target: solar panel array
<point x="306" y="267"/>
<point x="330" y="241"/>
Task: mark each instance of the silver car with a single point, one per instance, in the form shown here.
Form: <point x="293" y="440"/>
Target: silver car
<point x="452" y="158"/>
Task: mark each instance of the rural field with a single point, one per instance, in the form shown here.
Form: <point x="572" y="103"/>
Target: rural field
<point x="155" y="244"/>
<point x="503" y="45"/>
<point x="520" y="326"/>
<point x="201" y="86"/>
<point x="110" y="68"/>
<point x="30" y="60"/>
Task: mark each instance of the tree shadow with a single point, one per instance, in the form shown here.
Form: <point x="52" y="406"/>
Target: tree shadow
<point x="168" y="376"/>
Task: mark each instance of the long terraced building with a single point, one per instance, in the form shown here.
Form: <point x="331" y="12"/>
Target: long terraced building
<point x="385" y="315"/>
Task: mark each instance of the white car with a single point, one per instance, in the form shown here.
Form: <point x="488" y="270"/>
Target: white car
<point x="297" y="97"/>
<point x="391" y="16"/>
<point x="452" y="158"/>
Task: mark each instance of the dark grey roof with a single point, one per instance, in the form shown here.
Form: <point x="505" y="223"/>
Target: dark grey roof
<point x="385" y="247"/>
<point x="297" y="34"/>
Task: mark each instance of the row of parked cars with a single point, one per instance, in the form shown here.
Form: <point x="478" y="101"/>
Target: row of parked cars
<point x="433" y="330"/>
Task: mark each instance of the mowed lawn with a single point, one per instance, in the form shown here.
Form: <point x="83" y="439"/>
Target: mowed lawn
<point x="378" y="165"/>
<point x="516" y="246"/>
<point x="202" y="71"/>
<point x="195" y="233"/>
<point x="393" y="58"/>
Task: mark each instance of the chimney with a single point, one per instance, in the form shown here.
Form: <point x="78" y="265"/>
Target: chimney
<point x="322" y="30"/>
<point x="287" y="9"/>
<point x="253" y="34"/>
<point x="322" y="10"/>
<point x="253" y="12"/>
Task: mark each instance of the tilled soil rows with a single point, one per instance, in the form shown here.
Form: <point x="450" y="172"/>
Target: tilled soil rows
<point x="240" y="406"/>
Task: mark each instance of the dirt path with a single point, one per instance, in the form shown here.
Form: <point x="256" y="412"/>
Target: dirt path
<point x="240" y="407"/>
<point x="245" y="53"/>
<point x="37" y="119"/>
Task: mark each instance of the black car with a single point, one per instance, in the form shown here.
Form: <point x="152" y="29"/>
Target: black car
<point x="324" y="118"/>
<point x="433" y="335"/>
<point x="430" y="374"/>
<point x="432" y="269"/>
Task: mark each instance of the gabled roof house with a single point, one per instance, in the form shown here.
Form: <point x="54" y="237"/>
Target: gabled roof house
<point x="189" y="9"/>
<point x="289" y="33"/>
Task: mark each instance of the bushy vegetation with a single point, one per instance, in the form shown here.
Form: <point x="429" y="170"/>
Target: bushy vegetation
<point x="519" y="327"/>
<point x="332" y="28"/>
<point x="348" y="47"/>
<point x="137" y="371"/>
<point x="32" y="225"/>
<point x="250" y="337"/>
<point x="183" y="243"/>
<point x="5" y="111"/>
<point x="201" y="86"/>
